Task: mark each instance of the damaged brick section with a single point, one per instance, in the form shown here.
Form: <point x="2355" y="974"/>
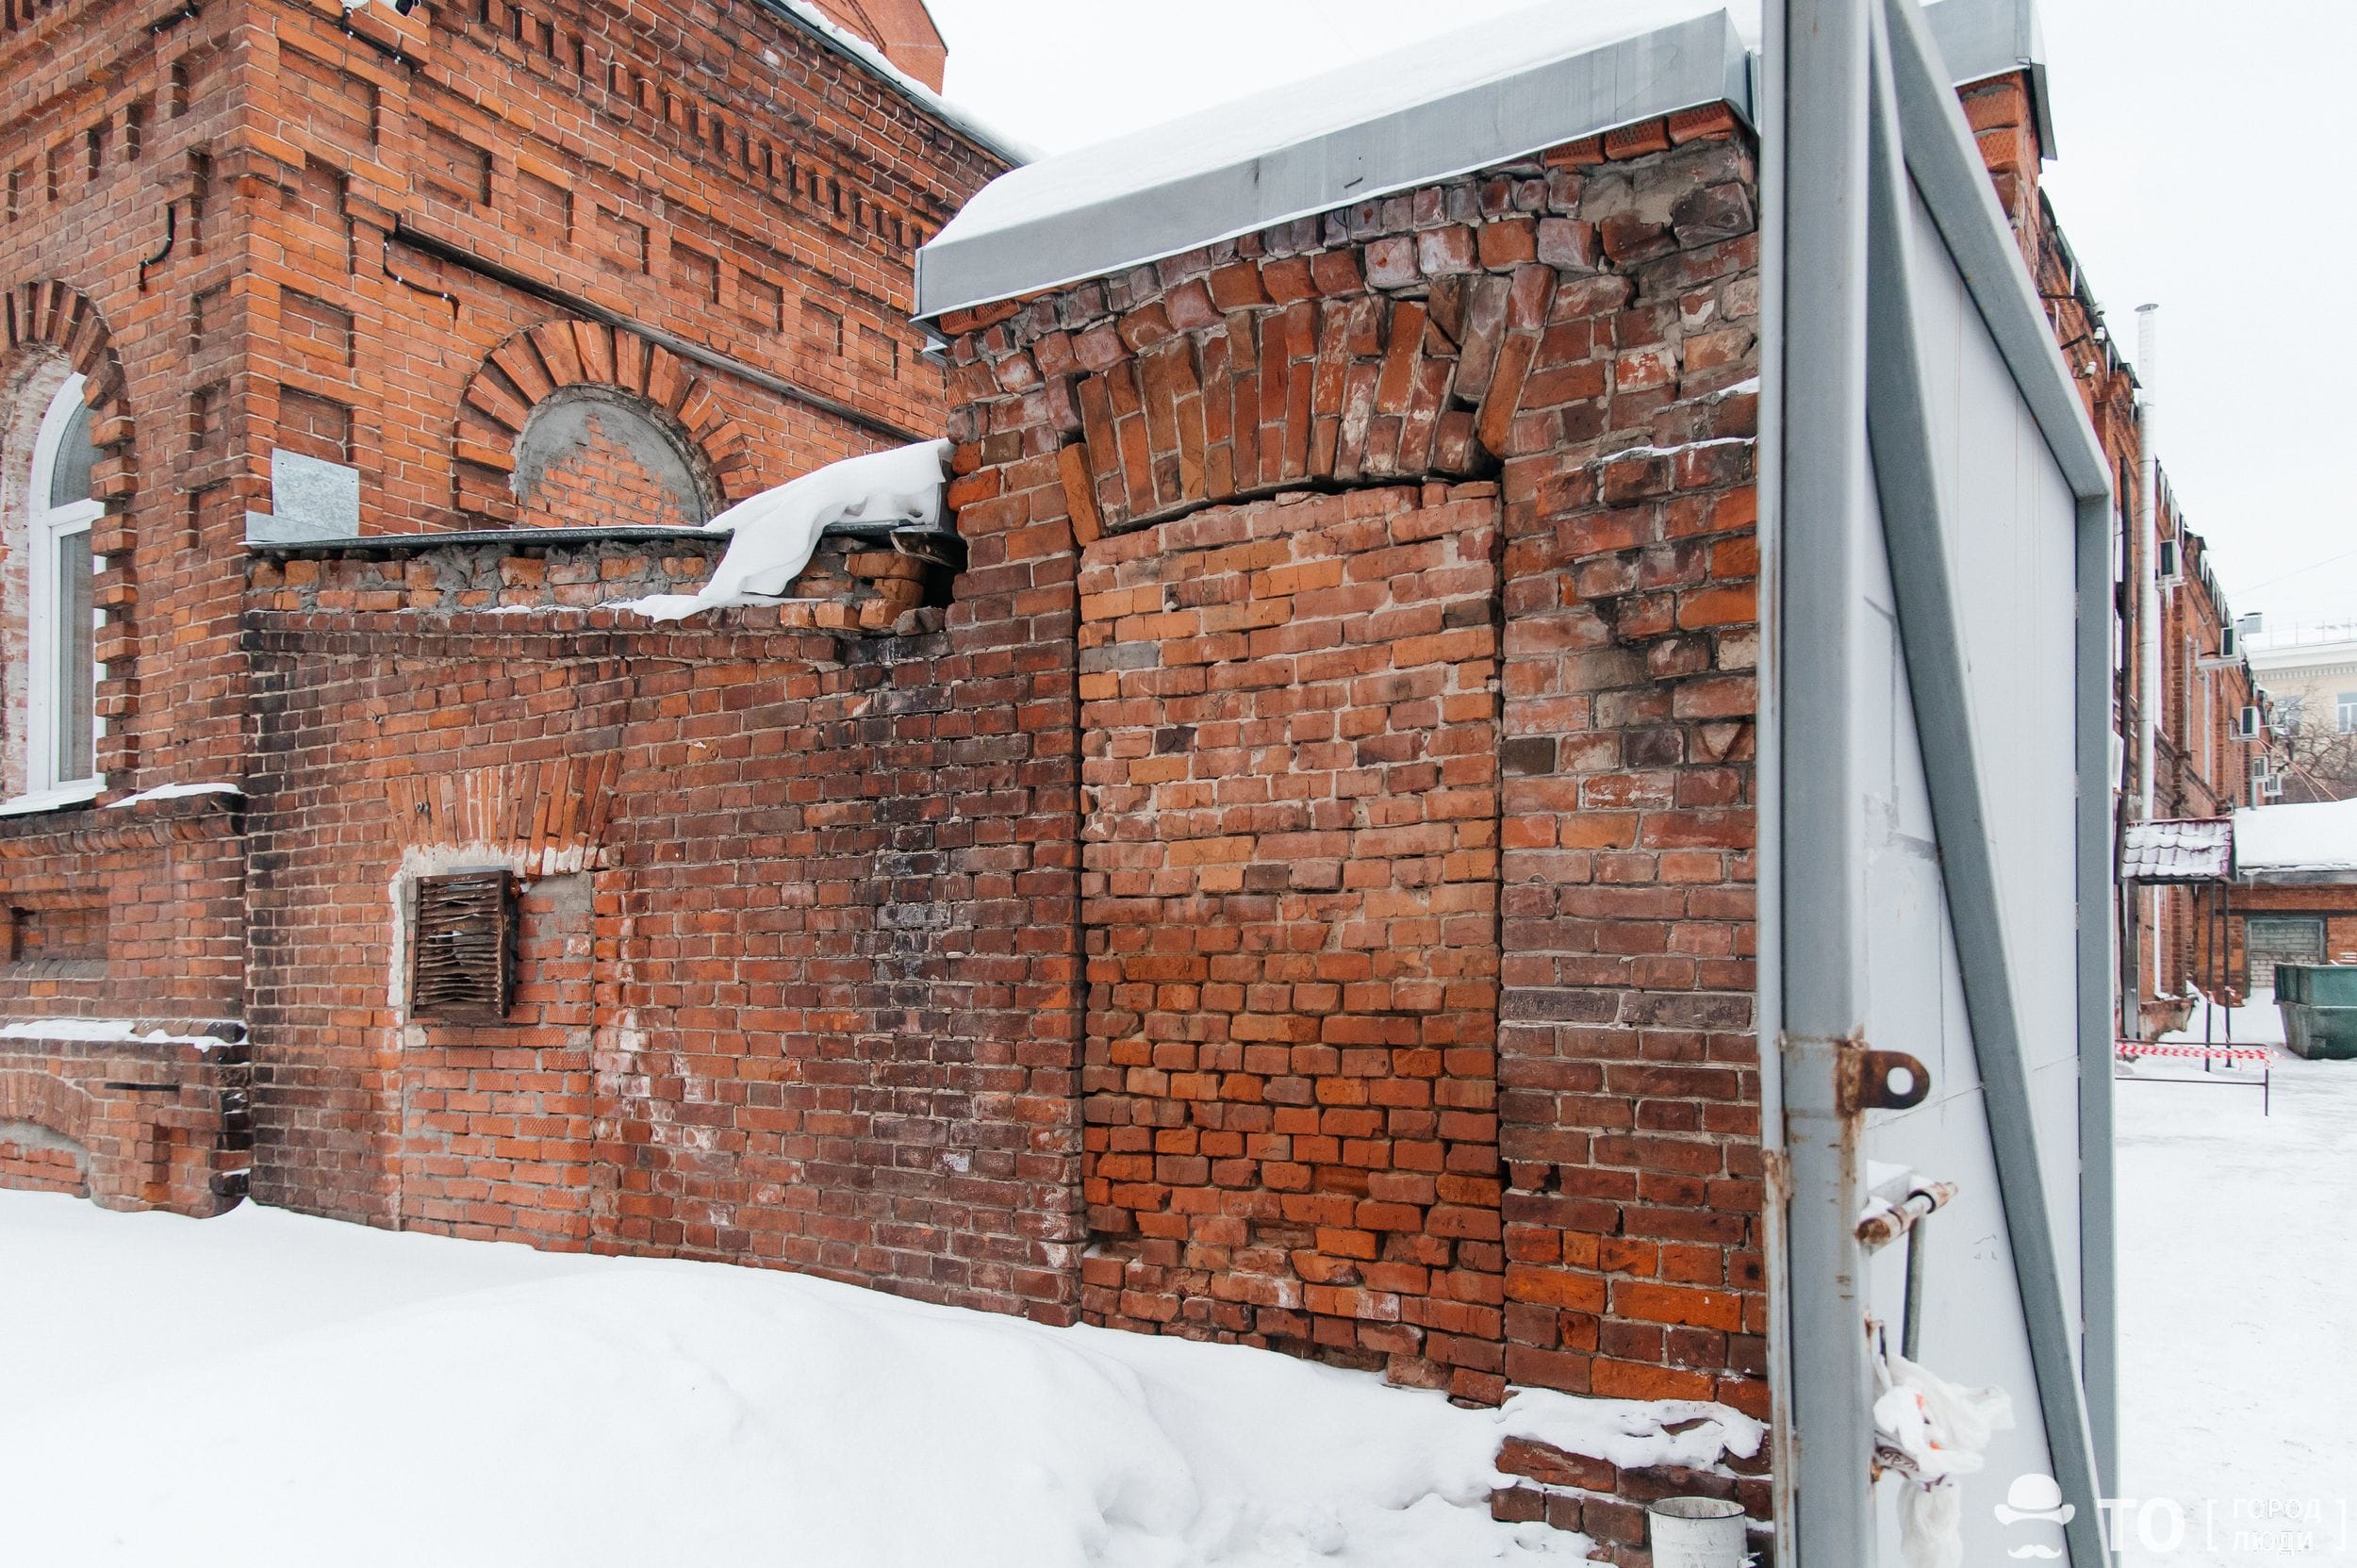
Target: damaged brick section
<point x="1607" y="1502"/>
<point x="1289" y="719"/>
<point x="1418" y="626"/>
<point x="851" y="585"/>
<point x="151" y="1110"/>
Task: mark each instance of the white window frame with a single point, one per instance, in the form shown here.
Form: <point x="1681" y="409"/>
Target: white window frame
<point x="2345" y="713"/>
<point x="44" y="526"/>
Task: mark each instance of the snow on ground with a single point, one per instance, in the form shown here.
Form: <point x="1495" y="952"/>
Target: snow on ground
<point x="2257" y="1022"/>
<point x="2238" y="1271"/>
<point x="268" y="1388"/>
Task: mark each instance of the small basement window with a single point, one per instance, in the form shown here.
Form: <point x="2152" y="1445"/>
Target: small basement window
<point x="462" y="940"/>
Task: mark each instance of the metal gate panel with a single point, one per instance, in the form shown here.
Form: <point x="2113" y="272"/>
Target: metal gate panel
<point x="1938" y="700"/>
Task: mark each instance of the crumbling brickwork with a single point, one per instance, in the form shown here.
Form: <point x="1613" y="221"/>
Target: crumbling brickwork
<point x="798" y="962"/>
<point x="1284" y="873"/>
<point x="1419" y="819"/>
<point x="1290" y="727"/>
<point x="131" y="1123"/>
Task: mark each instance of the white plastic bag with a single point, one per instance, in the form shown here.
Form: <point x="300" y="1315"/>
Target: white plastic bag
<point x="1930" y="1431"/>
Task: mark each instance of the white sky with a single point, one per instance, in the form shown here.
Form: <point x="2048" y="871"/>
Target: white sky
<point x="2197" y="142"/>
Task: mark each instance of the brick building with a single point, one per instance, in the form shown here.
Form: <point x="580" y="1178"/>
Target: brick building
<point x="287" y="270"/>
<point x="2209" y="758"/>
<point x="2184" y="687"/>
<point x="1283" y="872"/>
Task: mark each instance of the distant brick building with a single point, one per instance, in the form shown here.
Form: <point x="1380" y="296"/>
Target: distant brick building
<point x="2179" y="663"/>
<point x="465" y="268"/>
<point x="1285" y="872"/>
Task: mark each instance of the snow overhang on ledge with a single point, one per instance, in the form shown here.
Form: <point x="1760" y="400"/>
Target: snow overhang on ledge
<point x="1488" y="94"/>
<point x="2296" y="844"/>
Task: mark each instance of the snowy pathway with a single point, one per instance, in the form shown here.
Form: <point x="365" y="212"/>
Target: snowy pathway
<point x="2238" y="1320"/>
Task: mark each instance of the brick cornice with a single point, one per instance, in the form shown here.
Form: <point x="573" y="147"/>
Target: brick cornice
<point x="87" y="829"/>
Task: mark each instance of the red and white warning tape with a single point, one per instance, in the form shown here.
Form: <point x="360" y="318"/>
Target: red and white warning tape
<point x="2233" y="1053"/>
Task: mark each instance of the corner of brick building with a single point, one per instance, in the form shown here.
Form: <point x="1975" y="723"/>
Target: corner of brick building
<point x="278" y="228"/>
<point x="1416" y="818"/>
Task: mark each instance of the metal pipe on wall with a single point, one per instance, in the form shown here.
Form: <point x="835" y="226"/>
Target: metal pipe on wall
<point x="2149" y="581"/>
<point x="1825" y="696"/>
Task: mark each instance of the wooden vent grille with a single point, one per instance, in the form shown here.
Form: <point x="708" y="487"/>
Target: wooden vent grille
<point x="461" y="943"/>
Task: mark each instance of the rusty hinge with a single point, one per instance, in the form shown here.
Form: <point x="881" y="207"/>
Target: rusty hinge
<point x="1881" y="1081"/>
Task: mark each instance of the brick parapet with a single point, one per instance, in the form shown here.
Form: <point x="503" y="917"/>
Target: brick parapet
<point x="851" y="587"/>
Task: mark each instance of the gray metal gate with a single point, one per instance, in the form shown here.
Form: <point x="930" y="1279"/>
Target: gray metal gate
<point x="1937" y="512"/>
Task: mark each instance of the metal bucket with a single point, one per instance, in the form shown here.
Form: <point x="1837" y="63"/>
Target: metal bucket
<point x="1696" y="1532"/>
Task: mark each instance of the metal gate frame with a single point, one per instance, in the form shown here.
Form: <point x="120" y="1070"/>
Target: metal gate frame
<point x="1855" y="102"/>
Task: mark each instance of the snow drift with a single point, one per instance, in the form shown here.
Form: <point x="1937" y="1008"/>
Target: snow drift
<point x="268" y="1388"/>
<point x="775" y="532"/>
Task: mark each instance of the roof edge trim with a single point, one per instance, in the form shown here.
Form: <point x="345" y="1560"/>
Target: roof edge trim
<point x="1686" y="65"/>
<point x="897" y="82"/>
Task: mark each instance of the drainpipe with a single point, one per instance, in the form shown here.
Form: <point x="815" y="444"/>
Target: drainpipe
<point x="2148" y="609"/>
<point x="2147" y="632"/>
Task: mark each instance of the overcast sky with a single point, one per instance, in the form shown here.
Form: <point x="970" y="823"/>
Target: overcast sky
<point x="2197" y="144"/>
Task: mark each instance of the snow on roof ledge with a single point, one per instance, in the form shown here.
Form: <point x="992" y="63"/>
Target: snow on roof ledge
<point x="773" y="533"/>
<point x="2300" y="842"/>
<point x="1488" y="94"/>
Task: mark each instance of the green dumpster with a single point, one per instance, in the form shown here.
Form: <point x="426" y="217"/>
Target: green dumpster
<point x="2320" y="1006"/>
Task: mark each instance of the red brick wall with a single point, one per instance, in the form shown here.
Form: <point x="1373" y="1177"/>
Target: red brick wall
<point x="605" y="477"/>
<point x="1521" y="740"/>
<point x="134" y="910"/>
<point x="494" y="1138"/>
<point x="1289" y="729"/>
<point x="135" y="914"/>
<point x="654" y="165"/>
<point x="797" y="975"/>
<point x="132" y="1123"/>
<point x="588" y="148"/>
<point x="27" y="1166"/>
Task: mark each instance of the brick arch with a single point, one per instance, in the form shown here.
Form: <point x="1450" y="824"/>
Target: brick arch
<point x="539" y="361"/>
<point x="46" y="1102"/>
<point x="50" y="314"/>
<point x="1341" y="371"/>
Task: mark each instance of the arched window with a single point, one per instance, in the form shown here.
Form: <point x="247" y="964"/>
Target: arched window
<point x="61" y="675"/>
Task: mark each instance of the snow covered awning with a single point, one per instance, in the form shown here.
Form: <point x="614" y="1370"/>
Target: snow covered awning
<point x="1491" y="94"/>
<point x="2200" y="848"/>
<point x="2305" y="843"/>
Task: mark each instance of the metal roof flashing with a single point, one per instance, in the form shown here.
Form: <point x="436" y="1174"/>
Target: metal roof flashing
<point x="1979" y="39"/>
<point x="1204" y="178"/>
<point x="1110" y="225"/>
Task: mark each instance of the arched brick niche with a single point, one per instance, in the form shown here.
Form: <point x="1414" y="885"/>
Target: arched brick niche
<point x="574" y="425"/>
<point x="54" y="331"/>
